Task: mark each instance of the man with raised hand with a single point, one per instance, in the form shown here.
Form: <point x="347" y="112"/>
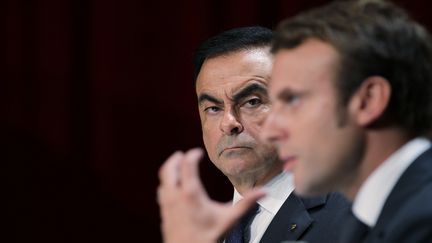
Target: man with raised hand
<point x="232" y="74"/>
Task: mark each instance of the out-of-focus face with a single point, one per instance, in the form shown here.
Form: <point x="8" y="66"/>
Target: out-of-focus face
<point x="314" y="135"/>
<point x="233" y="104"/>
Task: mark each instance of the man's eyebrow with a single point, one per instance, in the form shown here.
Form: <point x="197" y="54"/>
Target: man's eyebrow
<point x="206" y="97"/>
<point x="248" y="90"/>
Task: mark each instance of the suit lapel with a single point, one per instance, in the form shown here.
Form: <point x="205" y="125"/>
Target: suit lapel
<point x="292" y="219"/>
<point x="409" y="183"/>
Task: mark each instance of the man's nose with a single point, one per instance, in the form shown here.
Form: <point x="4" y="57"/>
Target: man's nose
<point x="231" y="124"/>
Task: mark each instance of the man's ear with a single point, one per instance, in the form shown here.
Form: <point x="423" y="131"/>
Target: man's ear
<point x="370" y="100"/>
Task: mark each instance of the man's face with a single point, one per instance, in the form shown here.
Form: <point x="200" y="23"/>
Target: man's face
<point x="314" y="135"/>
<point x="233" y="104"/>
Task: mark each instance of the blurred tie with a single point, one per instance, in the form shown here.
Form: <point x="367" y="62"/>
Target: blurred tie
<point x="237" y="234"/>
<point x="355" y="231"/>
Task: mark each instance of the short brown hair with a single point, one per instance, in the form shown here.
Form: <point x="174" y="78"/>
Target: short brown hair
<point x="372" y="37"/>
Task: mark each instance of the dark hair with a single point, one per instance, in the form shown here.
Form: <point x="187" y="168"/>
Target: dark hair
<point x="372" y="37"/>
<point x="244" y="38"/>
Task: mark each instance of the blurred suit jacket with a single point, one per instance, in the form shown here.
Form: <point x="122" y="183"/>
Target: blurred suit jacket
<point x="313" y="220"/>
<point x="407" y="213"/>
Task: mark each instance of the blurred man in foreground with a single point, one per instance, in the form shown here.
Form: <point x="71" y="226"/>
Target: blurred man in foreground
<point x="350" y="108"/>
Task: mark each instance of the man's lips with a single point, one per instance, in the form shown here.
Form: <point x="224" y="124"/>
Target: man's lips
<point x="233" y="148"/>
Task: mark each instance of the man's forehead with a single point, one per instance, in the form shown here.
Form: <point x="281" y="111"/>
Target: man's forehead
<point x="232" y="88"/>
<point x="309" y="66"/>
<point x="231" y="73"/>
<point x="239" y="63"/>
<point x="308" y="58"/>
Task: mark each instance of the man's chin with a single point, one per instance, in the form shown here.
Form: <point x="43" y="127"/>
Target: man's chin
<point x="289" y="163"/>
<point x="236" y="171"/>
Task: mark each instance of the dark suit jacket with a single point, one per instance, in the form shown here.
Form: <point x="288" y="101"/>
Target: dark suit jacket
<point x="407" y="214"/>
<point x="314" y="220"/>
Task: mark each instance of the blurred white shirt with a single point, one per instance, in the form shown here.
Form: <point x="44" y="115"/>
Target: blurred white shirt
<point x="375" y="190"/>
<point x="278" y="189"/>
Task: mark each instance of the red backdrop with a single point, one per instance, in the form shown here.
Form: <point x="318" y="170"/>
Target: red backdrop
<point x="95" y="95"/>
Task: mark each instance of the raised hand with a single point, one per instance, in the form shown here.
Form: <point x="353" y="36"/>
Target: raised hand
<point x="188" y="214"/>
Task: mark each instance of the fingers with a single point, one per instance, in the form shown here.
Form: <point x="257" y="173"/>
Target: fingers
<point x="249" y="199"/>
<point x="240" y="208"/>
<point x="168" y="173"/>
<point x="180" y="174"/>
<point x="189" y="170"/>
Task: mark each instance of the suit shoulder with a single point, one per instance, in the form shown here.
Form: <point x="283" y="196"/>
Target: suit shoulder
<point x="418" y="205"/>
<point x="413" y="221"/>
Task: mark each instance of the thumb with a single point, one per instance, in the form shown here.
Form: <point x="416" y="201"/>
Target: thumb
<point x="240" y="208"/>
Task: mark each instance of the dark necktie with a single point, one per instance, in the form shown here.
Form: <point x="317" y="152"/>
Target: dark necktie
<point x="355" y="230"/>
<point x="237" y="234"/>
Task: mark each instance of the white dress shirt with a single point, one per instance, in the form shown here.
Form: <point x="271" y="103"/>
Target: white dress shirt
<point x="278" y="189"/>
<point x="375" y="190"/>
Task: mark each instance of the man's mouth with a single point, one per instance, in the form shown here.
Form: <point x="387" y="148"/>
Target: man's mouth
<point x="233" y="148"/>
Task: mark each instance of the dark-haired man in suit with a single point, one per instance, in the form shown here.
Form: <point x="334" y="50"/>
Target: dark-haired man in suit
<point x="232" y="74"/>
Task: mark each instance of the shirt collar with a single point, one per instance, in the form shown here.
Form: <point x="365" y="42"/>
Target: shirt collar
<point x="373" y="193"/>
<point x="277" y="191"/>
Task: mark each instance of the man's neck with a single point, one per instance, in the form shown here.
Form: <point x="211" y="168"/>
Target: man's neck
<point x="249" y="182"/>
<point x="379" y="145"/>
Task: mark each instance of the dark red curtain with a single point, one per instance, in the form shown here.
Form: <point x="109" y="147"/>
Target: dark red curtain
<point x="94" y="96"/>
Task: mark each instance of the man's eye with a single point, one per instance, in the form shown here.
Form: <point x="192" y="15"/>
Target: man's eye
<point x="212" y="109"/>
<point x="291" y="99"/>
<point x="253" y="102"/>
